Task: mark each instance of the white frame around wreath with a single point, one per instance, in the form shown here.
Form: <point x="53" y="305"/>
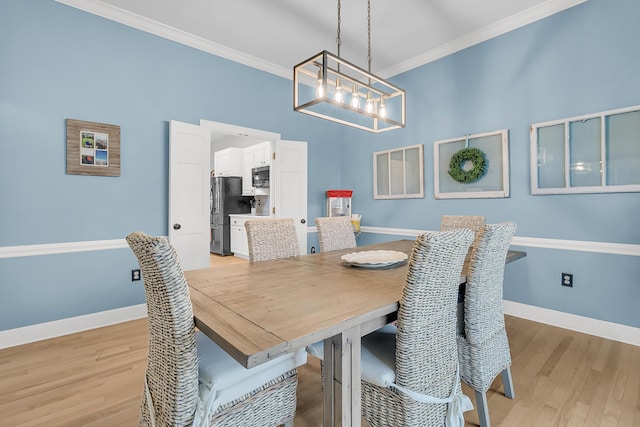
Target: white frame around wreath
<point x="495" y="184"/>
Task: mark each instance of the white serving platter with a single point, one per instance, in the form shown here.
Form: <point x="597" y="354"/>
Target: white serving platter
<point x="375" y="259"/>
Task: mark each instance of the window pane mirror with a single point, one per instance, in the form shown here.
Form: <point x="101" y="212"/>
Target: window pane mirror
<point x="595" y="153"/>
<point x="399" y="173"/>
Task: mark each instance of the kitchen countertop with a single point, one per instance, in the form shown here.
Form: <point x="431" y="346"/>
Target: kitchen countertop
<point x="249" y="216"/>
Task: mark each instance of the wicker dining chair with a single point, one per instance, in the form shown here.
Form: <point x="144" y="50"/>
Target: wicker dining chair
<point x="335" y="233"/>
<point x="426" y="389"/>
<point x="189" y="379"/>
<point x="271" y="239"/>
<point x="454" y="222"/>
<point x="410" y="372"/>
<point x="483" y="347"/>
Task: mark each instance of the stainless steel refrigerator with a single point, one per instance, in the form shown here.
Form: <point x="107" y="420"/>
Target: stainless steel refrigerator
<point x="225" y="198"/>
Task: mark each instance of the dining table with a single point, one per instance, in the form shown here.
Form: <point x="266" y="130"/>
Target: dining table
<point x="257" y="311"/>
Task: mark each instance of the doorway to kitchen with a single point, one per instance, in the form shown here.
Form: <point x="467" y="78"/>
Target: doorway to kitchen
<point x="287" y="191"/>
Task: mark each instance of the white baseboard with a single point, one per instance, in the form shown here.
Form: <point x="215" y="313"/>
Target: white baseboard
<point x="43" y="331"/>
<point x="586" y="325"/>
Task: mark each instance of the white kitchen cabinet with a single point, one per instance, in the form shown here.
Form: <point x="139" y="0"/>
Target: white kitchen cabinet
<point x="239" y="245"/>
<point x="262" y="154"/>
<point x="252" y="157"/>
<point x="247" y="164"/>
<point x="228" y="162"/>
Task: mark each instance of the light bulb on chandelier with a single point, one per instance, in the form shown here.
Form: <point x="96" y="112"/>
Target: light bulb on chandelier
<point x="320" y="85"/>
<point x="382" y="112"/>
<point x="369" y="105"/>
<point x="355" y="99"/>
<point x="339" y="96"/>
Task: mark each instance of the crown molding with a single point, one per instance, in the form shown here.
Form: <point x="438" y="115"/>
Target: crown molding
<point x="99" y="8"/>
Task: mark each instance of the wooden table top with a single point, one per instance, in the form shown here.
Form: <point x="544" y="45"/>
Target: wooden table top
<point x="258" y="311"/>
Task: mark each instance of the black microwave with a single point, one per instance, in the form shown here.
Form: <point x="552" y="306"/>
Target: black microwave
<point x="260" y="177"/>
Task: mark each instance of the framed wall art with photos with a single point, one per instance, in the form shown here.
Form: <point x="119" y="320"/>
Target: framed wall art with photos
<point x="93" y="148"/>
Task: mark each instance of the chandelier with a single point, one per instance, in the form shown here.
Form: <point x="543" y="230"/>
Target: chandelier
<point x="331" y="88"/>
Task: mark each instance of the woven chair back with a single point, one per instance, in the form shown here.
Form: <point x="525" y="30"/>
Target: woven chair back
<point x="473" y="222"/>
<point x="271" y="239"/>
<point x="483" y="307"/>
<point x="172" y="366"/>
<point x="335" y="233"/>
<point x="426" y="350"/>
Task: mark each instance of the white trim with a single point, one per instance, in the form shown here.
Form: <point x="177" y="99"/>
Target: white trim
<point x="393" y="231"/>
<point x="536" y="13"/>
<point x="42" y="331"/>
<point x="578" y="245"/>
<point x="585" y="325"/>
<point x="56" y="328"/>
<point x="587" y="116"/>
<point x="233" y="130"/>
<point x="61" y="248"/>
<point x="139" y="22"/>
<point x="533" y="242"/>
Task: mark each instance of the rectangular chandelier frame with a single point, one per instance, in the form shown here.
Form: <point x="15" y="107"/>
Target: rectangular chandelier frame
<point x="380" y="105"/>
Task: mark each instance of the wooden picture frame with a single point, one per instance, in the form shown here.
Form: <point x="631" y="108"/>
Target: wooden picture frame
<point x="93" y="148"/>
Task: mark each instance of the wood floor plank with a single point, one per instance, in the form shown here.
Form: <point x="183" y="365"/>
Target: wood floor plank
<point x="94" y="378"/>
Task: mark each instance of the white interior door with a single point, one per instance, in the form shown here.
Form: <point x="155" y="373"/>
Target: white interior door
<point x="189" y="210"/>
<point x="289" y="186"/>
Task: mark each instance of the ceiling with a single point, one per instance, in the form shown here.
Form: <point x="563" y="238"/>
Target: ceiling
<point x="275" y="35"/>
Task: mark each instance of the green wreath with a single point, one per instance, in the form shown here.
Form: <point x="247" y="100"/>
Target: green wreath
<point x="473" y="155"/>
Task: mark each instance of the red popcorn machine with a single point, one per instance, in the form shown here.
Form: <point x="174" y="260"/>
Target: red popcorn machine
<point x="339" y="204"/>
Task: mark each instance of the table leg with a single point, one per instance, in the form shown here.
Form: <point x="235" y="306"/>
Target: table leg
<point x="341" y="406"/>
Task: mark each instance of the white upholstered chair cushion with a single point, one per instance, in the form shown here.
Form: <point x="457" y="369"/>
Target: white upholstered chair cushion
<point x="377" y="356"/>
<point x="221" y="374"/>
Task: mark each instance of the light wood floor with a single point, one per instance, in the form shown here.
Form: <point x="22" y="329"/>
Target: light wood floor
<point x="94" y="378"/>
<point x="224" y="260"/>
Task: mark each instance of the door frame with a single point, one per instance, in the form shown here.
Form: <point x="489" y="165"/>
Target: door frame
<point x="225" y="129"/>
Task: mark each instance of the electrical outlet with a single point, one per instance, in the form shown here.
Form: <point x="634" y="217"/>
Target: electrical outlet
<point x="135" y="275"/>
<point x="567" y="279"/>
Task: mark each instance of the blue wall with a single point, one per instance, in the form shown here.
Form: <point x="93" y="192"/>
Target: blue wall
<point x="58" y="62"/>
<point x="580" y="61"/>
